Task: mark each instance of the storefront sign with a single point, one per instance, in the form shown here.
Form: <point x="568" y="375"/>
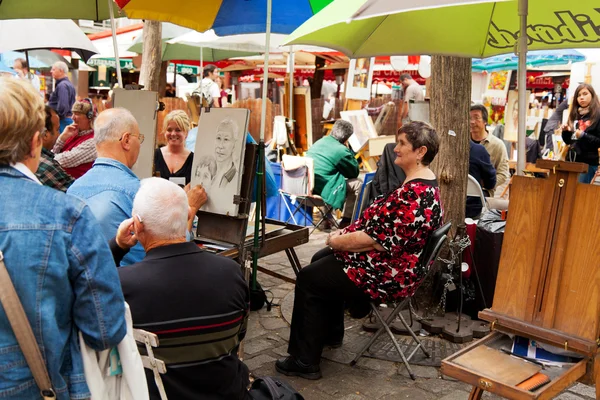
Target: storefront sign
<point x="183" y="69"/>
<point x="111" y="63"/>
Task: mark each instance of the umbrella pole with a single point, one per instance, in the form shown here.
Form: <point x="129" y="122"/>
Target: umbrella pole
<point x="261" y="152"/>
<point x="114" y="38"/>
<point x="522" y="83"/>
<point x="292" y="61"/>
<point x="28" y="68"/>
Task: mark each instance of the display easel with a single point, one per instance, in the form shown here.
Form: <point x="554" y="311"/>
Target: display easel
<point x="548" y="285"/>
<point x="229" y="233"/>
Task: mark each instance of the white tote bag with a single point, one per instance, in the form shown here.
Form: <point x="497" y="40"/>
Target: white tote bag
<point x="108" y="379"/>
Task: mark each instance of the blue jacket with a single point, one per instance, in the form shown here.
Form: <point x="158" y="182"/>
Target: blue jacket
<point x="66" y="279"/>
<point x="109" y="188"/>
<point x="63" y="98"/>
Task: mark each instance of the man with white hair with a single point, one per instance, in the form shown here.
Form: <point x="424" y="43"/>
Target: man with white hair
<point x="336" y="170"/>
<point x="63" y="96"/>
<point x="110" y="185"/>
<point x="195" y="301"/>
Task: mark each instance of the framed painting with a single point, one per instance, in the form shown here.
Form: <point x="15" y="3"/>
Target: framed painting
<point x="364" y="129"/>
<point x="360" y="76"/>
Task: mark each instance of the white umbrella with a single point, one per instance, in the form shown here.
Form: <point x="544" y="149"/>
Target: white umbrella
<point x="34" y="34"/>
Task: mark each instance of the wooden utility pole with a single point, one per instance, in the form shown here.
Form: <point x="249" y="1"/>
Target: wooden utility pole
<point x="450" y="104"/>
<point x="151" y="56"/>
<point x="317" y="83"/>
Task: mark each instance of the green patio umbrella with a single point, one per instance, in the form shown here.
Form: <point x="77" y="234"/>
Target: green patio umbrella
<point x="467" y="28"/>
<point x="475" y="29"/>
<point x="95" y="10"/>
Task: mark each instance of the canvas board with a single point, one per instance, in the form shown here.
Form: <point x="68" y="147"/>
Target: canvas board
<point x="142" y="104"/>
<point x="364" y="129"/>
<point x="219" y="157"/>
<point x="511" y="116"/>
<point x="498" y="83"/>
<point x="360" y="76"/>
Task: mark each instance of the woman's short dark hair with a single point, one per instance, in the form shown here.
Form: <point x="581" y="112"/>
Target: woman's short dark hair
<point x="483" y="110"/>
<point x="420" y="134"/>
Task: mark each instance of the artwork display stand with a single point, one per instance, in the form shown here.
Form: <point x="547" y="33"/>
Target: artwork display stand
<point x="548" y="284"/>
<point x="227" y="235"/>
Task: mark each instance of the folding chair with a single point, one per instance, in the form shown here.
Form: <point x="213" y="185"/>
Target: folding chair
<point x="297" y="182"/>
<point x="430" y="253"/>
<point x="157" y="366"/>
<point x="474" y="190"/>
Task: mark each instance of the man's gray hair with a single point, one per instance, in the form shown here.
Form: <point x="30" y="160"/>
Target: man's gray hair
<point x="163" y="208"/>
<point x="342" y="130"/>
<point x="61" y="65"/>
<point x="111" y="124"/>
<point x="230" y="125"/>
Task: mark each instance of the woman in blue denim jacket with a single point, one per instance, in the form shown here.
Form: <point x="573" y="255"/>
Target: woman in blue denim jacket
<point x="57" y="258"/>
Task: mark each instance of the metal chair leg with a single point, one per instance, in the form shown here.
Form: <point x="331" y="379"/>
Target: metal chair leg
<point x="397" y="345"/>
<point x="415" y="338"/>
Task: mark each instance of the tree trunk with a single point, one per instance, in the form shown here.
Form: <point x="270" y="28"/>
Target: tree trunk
<point x="317" y="83"/>
<point x="450" y="104"/>
<point x="162" y="86"/>
<point x="151" y="56"/>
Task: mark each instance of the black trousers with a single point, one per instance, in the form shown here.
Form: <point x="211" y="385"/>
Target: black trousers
<point x="322" y="291"/>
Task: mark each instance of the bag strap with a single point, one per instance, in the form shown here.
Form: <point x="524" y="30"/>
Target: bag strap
<point x="23" y="332"/>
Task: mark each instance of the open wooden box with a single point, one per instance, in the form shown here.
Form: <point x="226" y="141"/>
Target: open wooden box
<point x="548" y="285"/>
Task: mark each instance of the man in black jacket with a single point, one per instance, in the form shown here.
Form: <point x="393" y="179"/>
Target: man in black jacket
<point x="480" y="168"/>
<point x="196" y="302"/>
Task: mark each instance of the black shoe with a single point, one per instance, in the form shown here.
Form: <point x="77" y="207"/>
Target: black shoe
<point x="291" y="367"/>
<point x="334" y="344"/>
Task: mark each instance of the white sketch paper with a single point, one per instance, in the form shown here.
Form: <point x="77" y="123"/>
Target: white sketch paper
<point x="360" y="76"/>
<point x="219" y="157"/>
<point x="364" y="129"/>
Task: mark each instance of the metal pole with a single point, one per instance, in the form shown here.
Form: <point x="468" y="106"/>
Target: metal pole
<point x="263" y="114"/>
<point x="114" y="38"/>
<point x="291" y="61"/>
<point x="522" y="83"/>
<point x="261" y="152"/>
<point x="28" y="66"/>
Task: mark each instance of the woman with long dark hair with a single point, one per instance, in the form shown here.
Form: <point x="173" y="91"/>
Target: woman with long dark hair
<point x="582" y="131"/>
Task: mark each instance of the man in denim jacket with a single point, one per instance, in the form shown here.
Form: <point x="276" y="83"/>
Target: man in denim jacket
<point x="56" y="256"/>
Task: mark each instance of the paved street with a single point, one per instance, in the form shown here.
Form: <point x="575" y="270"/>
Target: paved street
<point x="268" y="333"/>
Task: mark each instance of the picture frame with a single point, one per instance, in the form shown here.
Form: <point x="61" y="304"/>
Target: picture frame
<point x="364" y="129"/>
<point x="498" y="83"/>
<point x="219" y="158"/>
<point x="360" y="77"/>
<point x="511" y="116"/>
<point x="142" y="104"/>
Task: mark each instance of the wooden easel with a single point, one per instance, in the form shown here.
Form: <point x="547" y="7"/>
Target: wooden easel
<point x="548" y="285"/>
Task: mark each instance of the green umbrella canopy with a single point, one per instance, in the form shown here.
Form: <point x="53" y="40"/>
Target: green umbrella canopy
<point x="95" y="10"/>
<point x="211" y="51"/>
<point x="480" y="29"/>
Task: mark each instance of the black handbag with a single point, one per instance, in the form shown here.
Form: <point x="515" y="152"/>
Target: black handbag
<point x="258" y="298"/>
<point x="272" y="388"/>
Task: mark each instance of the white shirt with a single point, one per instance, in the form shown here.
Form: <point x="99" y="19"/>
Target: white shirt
<point x="35" y="81"/>
<point x="26" y="171"/>
<point x="213" y="89"/>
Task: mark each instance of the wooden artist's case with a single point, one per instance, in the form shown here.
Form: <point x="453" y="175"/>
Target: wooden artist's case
<point x="548" y="285"/>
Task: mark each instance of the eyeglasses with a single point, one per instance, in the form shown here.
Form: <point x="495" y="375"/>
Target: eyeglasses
<point x="139" y="136"/>
<point x="476" y="119"/>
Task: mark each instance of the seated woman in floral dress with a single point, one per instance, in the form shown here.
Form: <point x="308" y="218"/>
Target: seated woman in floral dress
<point x="375" y="258"/>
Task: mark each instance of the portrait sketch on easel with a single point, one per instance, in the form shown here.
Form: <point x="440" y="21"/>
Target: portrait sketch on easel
<point x="219" y="157"/>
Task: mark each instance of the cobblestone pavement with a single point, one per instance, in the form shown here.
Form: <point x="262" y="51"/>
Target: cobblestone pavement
<point x="268" y="333"/>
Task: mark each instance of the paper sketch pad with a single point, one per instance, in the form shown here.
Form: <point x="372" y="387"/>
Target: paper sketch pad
<point x="219" y="157"/>
<point x="497" y="365"/>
